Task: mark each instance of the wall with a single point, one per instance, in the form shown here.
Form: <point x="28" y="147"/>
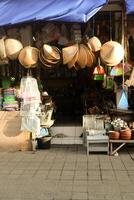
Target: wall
<point x="11" y="138"/>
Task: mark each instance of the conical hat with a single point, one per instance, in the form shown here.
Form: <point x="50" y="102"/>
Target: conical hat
<point x="50" y="52"/>
<point x="46" y="64"/>
<point x="90" y="57"/>
<point x="111" y="53"/>
<point x="49" y="61"/>
<point x="2" y="49"/>
<point x="94" y="44"/>
<point x="82" y="56"/>
<point x="69" y="52"/>
<point x="28" y="56"/>
<point x="73" y="61"/>
<point x="13" y="48"/>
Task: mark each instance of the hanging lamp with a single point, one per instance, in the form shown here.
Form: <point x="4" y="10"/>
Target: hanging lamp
<point x="117" y="70"/>
<point x="99" y="72"/>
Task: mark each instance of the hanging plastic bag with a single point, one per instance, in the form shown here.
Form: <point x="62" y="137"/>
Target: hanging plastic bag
<point x="29" y="90"/>
<point x="31" y="124"/>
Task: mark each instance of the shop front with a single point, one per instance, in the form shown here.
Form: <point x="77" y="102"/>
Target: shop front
<point x="58" y="67"/>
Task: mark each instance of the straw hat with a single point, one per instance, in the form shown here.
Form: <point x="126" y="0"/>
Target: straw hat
<point x="28" y="56"/>
<point x="49" y="63"/>
<point x="71" y="63"/>
<point x="2" y="49"/>
<point x="82" y="56"/>
<point x="94" y="44"/>
<point x="13" y="48"/>
<point x="51" y="52"/>
<point x="111" y="53"/>
<point x="69" y="53"/>
<point x="90" y="57"/>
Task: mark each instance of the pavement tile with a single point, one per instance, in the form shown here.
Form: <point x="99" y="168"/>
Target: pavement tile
<point x="64" y="174"/>
<point x="128" y="196"/>
<point x="108" y="175"/>
<point x="62" y="195"/>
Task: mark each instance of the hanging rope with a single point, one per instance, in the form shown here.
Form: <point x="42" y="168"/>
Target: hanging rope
<point x="110" y="24"/>
<point x="123" y="44"/>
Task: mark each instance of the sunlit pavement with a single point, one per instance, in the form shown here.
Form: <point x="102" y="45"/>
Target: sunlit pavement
<point x="65" y="173"/>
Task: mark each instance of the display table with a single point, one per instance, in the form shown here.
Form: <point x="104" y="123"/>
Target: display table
<point x="121" y="144"/>
<point x="11" y="138"/>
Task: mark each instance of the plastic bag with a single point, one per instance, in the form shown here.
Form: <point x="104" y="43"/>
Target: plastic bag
<point x="29" y="90"/>
<point x="31" y="124"/>
<point x="29" y="109"/>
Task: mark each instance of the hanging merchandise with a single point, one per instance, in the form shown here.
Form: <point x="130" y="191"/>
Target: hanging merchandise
<point x="2" y="49"/>
<point x="31" y="124"/>
<point x="30" y="105"/>
<point x="29" y="90"/>
<point x="111" y="53"/>
<point x="28" y="57"/>
<point x="123" y="101"/>
<point x="94" y="44"/>
<point x="69" y="53"/>
<point x="13" y="48"/>
<point x="117" y="70"/>
<point x="98" y="72"/>
<point x="78" y="56"/>
<point x="98" y="77"/>
<point x="50" y="56"/>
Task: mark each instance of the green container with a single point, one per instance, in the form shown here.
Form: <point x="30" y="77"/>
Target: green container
<point x="98" y="77"/>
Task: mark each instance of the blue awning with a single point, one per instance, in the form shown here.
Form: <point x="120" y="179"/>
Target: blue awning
<point x="19" y="11"/>
<point x="129" y="6"/>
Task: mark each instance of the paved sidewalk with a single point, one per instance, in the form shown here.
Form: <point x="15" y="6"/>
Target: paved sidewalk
<point x="63" y="173"/>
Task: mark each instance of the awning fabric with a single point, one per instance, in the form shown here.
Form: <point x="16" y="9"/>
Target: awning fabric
<point x="19" y="11"/>
<point x="129" y="6"/>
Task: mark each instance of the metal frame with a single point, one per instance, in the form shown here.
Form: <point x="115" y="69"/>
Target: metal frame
<point x="122" y="143"/>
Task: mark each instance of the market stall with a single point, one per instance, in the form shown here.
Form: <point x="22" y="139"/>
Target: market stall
<point x="81" y="65"/>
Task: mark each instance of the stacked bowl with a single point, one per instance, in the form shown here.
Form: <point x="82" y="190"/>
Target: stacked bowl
<point x="50" y="56"/>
